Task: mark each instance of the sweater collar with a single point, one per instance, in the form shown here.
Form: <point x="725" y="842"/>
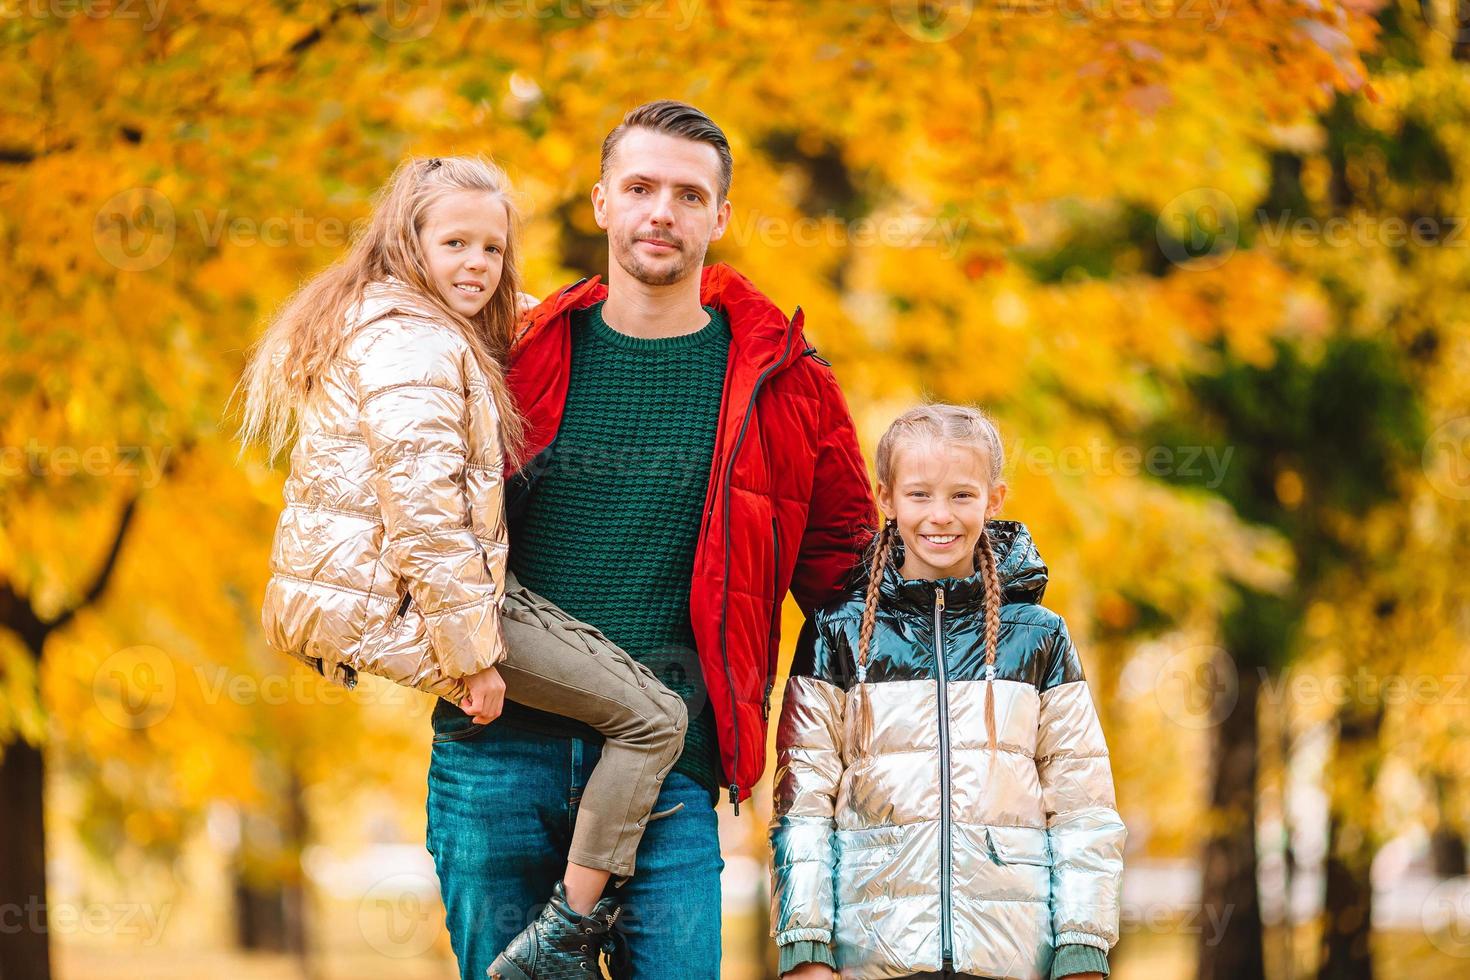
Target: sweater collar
<point x="758" y="328"/>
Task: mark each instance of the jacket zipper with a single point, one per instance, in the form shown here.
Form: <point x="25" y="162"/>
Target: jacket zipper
<point x="775" y="619"/>
<point x="725" y="584"/>
<point x="946" y="857"/>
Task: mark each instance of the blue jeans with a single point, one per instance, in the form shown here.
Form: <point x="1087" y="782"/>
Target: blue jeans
<point x="502" y="802"/>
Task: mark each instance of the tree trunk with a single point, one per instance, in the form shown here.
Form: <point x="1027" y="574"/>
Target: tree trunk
<point x="270" y="896"/>
<point x="1446" y="843"/>
<point x="24" y="950"/>
<point x="1228" y="893"/>
<point x="25" y="954"/>
<point x="1347" y="949"/>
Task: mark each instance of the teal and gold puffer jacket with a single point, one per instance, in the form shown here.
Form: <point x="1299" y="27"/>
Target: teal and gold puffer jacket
<point x="927" y="851"/>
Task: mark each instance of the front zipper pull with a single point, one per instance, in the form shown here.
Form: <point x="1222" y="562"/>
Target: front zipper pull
<point x="939" y="597"/>
<point x="735" y="797"/>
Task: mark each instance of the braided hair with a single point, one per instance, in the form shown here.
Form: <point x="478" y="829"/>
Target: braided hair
<point x="963" y="425"/>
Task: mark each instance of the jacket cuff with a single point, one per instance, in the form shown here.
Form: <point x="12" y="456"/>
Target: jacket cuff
<point x="1075" y="958"/>
<point x="1080" y="939"/>
<point x="805" y="951"/>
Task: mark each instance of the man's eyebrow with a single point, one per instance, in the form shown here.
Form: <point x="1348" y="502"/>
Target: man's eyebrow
<point x="650" y="179"/>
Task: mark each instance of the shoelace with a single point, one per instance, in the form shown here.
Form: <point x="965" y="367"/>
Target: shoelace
<point x="619" y="959"/>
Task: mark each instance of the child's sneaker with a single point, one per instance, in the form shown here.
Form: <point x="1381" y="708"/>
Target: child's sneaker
<point x="561" y="944"/>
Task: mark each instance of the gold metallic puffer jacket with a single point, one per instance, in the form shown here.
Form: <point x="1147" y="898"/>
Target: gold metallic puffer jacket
<point x="927" y="851"/>
<point x="389" y="557"/>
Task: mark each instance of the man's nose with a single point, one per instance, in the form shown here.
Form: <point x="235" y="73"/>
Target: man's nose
<point x="662" y="212"/>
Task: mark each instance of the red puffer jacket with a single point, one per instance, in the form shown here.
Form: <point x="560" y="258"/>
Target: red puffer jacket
<point x="789" y="504"/>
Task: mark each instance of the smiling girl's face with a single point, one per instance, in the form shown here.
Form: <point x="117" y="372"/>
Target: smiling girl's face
<point x="941" y="498"/>
<point x="463" y="240"/>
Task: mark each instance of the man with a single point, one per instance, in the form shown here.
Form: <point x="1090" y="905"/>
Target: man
<point x="689" y="459"/>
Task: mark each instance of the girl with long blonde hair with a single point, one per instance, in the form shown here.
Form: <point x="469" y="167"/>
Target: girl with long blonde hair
<point x="390" y="555"/>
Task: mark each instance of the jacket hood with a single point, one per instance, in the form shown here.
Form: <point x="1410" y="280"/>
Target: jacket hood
<point x="1022" y="574"/>
<point x="389" y="296"/>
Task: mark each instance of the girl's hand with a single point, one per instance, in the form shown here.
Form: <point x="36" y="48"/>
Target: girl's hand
<point x="525" y="301"/>
<point x="810" y="971"/>
<point x="486" y="698"/>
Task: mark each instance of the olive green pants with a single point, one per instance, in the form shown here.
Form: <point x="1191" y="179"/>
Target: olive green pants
<point x="555" y="663"/>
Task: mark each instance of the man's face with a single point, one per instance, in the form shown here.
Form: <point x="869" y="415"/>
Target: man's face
<point x="660" y="205"/>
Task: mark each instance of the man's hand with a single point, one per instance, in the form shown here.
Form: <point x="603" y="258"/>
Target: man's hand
<point x="810" y="971"/>
<point x="486" y="698"/>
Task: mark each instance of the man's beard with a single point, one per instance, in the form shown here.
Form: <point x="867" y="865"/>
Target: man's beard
<point x="627" y="257"/>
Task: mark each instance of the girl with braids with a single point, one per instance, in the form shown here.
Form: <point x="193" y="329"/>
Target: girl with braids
<point x="943" y="799"/>
<point x="390" y="555"/>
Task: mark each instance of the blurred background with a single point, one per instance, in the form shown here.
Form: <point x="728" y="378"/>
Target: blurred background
<point x="1206" y="260"/>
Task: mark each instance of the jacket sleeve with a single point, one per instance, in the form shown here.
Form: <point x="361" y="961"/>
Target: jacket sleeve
<point x="411" y="391"/>
<point x="841" y="514"/>
<point x="808" y="771"/>
<point x="1085" y="831"/>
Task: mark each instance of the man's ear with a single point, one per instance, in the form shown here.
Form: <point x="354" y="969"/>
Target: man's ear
<point x="722" y="220"/>
<point x="599" y="205"/>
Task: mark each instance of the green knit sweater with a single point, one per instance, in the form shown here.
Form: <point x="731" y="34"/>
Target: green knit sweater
<point x="609" y="529"/>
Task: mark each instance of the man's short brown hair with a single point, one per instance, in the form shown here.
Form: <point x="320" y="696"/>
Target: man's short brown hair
<point x="674" y="119"/>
